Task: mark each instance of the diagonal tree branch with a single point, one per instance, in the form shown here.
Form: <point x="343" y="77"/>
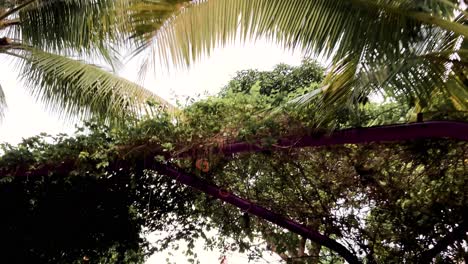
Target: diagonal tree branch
<point x="196" y="183"/>
<point x="423" y="130"/>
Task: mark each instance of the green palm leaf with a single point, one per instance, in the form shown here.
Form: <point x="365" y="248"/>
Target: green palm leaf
<point x="149" y="17"/>
<point x="427" y="67"/>
<point x="44" y="34"/>
<point x="73" y="88"/>
<point x="322" y="26"/>
<point x="74" y="27"/>
<point x="85" y="27"/>
<point x="375" y="44"/>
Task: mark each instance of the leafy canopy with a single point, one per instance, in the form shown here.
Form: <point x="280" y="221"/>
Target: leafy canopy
<point x="386" y="202"/>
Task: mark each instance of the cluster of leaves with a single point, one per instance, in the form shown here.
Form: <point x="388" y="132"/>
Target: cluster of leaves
<point x="337" y="190"/>
<point x="95" y="194"/>
<point x="281" y="84"/>
<point x="79" y="203"/>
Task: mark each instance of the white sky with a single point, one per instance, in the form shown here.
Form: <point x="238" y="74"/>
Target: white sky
<point x="25" y="118"/>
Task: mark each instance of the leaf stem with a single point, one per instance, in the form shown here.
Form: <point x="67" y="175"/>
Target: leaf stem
<point x="15" y="9"/>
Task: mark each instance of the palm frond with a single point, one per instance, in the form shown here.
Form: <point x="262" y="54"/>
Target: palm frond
<point x="148" y="17"/>
<point x="73" y="26"/>
<point x="73" y="88"/>
<point x="96" y="28"/>
<point x="322" y="26"/>
<point x="428" y="68"/>
<point x="3" y="104"/>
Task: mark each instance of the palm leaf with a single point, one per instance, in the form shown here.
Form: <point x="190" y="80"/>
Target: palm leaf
<point x="3" y="104"/>
<point x="370" y="40"/>
<point x="73" y="88"/>
<point x="430" y="67"/>
<point x="321" y="26"/>
<point x="87" y="27"/>
<point x="148" y="17"/>
<point x="78" y="27"/>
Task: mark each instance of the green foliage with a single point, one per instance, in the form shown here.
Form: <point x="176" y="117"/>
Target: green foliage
<point x="72" y="87"/>
<point x="376" y="24"/>
<point x="352" y="193"/>
<point x="80" y="203"/>
<point x="72" y="26"/>
<point x="337" y="190"/>
<point x="386" y="202"/>
<point x="282" y="83"/>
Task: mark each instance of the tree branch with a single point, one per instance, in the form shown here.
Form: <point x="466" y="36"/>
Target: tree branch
<point x="458" y="233"/>
<point x="15" y="9"/>
<point x="194" y="182"/>
<point x="434" y="129"/>
<point x="421" y="130"/>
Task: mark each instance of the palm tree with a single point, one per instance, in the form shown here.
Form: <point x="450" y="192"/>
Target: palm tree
<point x="411" y="49"/>
<point x="52" y="40"/>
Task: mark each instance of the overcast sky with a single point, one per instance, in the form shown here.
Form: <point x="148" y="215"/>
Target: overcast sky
<point x="25" y="117"/>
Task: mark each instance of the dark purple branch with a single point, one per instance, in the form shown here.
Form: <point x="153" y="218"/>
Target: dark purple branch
<point x="194" y="182"/>
<point x="423" y="130"/>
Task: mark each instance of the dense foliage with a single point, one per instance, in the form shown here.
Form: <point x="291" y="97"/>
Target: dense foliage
<point x="79" y="205"/>
<point x="96" y="194"/>
<point x="281" y="84"/>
